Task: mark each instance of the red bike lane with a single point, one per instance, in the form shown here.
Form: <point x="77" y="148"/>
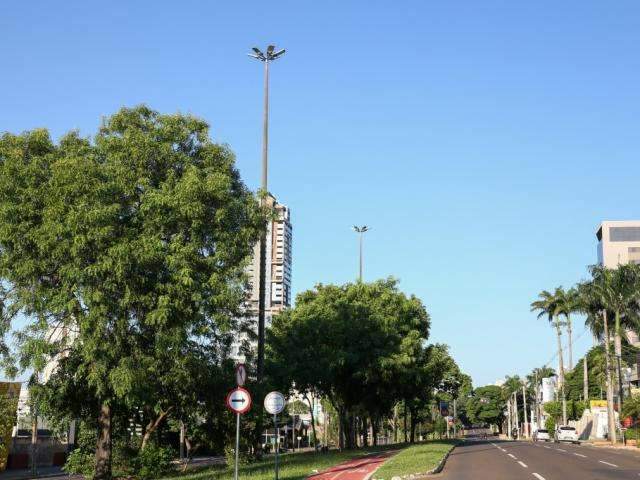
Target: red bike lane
<point x="356" y="469"/>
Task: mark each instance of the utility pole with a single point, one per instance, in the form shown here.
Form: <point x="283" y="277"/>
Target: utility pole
<point x="360" y="231"/>
<point x="267" y="57"/>
<point x="524" y="403"/>
<point x="455" y="418"/>
<point x="516" y="420"/>
<point x="509" y="418"/>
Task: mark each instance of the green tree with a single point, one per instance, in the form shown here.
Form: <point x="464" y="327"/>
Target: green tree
<point x="133" y="243"/>
<point x="351" y="343"/>
<point x="631" y="408"/>
<point x="486" y="406"/>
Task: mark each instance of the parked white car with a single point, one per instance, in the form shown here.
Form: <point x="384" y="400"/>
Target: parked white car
<point x="565" y="433"/>
<point x="541" y="435"/>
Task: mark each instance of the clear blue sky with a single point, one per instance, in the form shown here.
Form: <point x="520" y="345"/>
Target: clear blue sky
<point x="482" y="141"/>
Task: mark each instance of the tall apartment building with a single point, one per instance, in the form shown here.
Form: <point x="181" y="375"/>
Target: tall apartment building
<point x="277" y="271"/>
<point x="619" y="244"/>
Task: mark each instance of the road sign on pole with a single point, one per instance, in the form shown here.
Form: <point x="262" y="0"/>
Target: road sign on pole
<point x="241" y="374"/>
<point x="239" y="400"/>
<point x="274" y="403"/>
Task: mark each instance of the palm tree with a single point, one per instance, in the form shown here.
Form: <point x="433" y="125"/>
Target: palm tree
<point x="548" y="304"/>
<point x="568" y="303"/>
<point x="593" y="295"/>
<point x="620" y="289"/>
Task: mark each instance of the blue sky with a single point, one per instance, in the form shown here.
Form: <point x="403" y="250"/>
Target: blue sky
<point x="483" y="142"/>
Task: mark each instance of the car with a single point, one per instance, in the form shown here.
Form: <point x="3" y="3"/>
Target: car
<point x="565" y="433"/>
<point x="541" y="435"/>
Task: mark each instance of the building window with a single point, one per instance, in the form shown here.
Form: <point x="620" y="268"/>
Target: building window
<point x="624" y="234"/>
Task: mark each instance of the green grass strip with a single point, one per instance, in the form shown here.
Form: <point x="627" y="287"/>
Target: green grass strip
<point x="414" y="460"/>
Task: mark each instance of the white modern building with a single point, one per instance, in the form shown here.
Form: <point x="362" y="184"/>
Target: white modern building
<point x="618" y="243"/>
<point x="277" y="272"/>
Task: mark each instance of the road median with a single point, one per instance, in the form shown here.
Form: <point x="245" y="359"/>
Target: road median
<point x="416" y="461"/>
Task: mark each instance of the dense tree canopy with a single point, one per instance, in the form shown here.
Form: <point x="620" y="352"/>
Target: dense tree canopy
<point x="361" y="345"/>
<point x="133" y="244"/>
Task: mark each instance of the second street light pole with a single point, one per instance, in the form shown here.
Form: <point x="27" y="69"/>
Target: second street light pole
<point x="360" y="231"/>
<point x="266" y="57"/>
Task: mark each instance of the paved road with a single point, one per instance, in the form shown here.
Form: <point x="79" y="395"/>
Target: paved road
<point x="539" y="461"/>
<point x="357" y="469"/>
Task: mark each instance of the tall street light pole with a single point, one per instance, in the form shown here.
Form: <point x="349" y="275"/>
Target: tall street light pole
<point x="266" y="57"/>
<point x="360" y="231"/>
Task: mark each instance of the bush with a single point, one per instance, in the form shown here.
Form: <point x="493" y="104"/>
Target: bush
<point x="631" y="433"/>
<point x="243" y="458"/>
<point x="153" y="462"/>
<point x="80" y="462"/>
<point x="550" y="425"/>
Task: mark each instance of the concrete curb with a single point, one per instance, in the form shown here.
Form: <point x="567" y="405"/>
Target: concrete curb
<point x="440" y="465"/>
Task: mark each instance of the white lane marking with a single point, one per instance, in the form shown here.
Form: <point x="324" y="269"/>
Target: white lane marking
<point x="512" y="456"/>
<point x="561" y="450"/>
<point x="502" y="449"/>
<point x="584" y="456"/>
<point x="538" y="476"/>
<point x="548" y="448"/>
<point x="523" y="464"/>
<point x="607" y="463"/>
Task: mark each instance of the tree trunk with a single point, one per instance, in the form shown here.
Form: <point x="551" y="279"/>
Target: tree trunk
<point x="610" y="413"/>
<point x="412" y="438"/>
<point x="313" y="419"/>
<point x="374" y="431"/>
<point x="395" y="423"/>
<point x="618" y="348"/>
<point x="585" y="379"/>
<point x="153" y="426"/>
<point x="405" y="421"/>
<point x="569" y="334"/>
<point x="365" y="431"/>
<point x="103" y="445"/>
<point x="561" y="367"/>
<point x="341" y="432"/>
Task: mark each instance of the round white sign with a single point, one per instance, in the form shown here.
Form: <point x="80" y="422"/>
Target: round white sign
<point x="274" y="403"/>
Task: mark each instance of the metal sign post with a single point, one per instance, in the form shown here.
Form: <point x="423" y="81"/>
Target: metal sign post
<point x="275" y="424"/>
<point x="238" y="401"/>
<point x="274" y="404"/>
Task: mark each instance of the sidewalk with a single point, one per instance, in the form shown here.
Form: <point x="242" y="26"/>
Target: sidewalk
<point x="51" y="473"/>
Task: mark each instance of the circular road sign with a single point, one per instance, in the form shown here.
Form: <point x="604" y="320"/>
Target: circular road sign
<point x="274" y="403"/>
<point x="239" y="400"/>
<point x="241" y="374"/>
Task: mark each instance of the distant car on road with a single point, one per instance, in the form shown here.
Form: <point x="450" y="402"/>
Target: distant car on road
<point x="541" y="435"/>
<point x="565" y="433"/>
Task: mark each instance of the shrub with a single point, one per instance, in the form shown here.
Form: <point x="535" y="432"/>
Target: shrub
<point x="153" y="462"/>
<point x="80" y="462"/>
<point x="550" y="425"/>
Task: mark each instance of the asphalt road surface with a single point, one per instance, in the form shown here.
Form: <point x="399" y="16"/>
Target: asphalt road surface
<point x="496" y="460"/>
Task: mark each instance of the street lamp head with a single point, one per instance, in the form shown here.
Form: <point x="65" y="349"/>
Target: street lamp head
<point x="268" y="55"/>
<point x="362" y="229"/>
